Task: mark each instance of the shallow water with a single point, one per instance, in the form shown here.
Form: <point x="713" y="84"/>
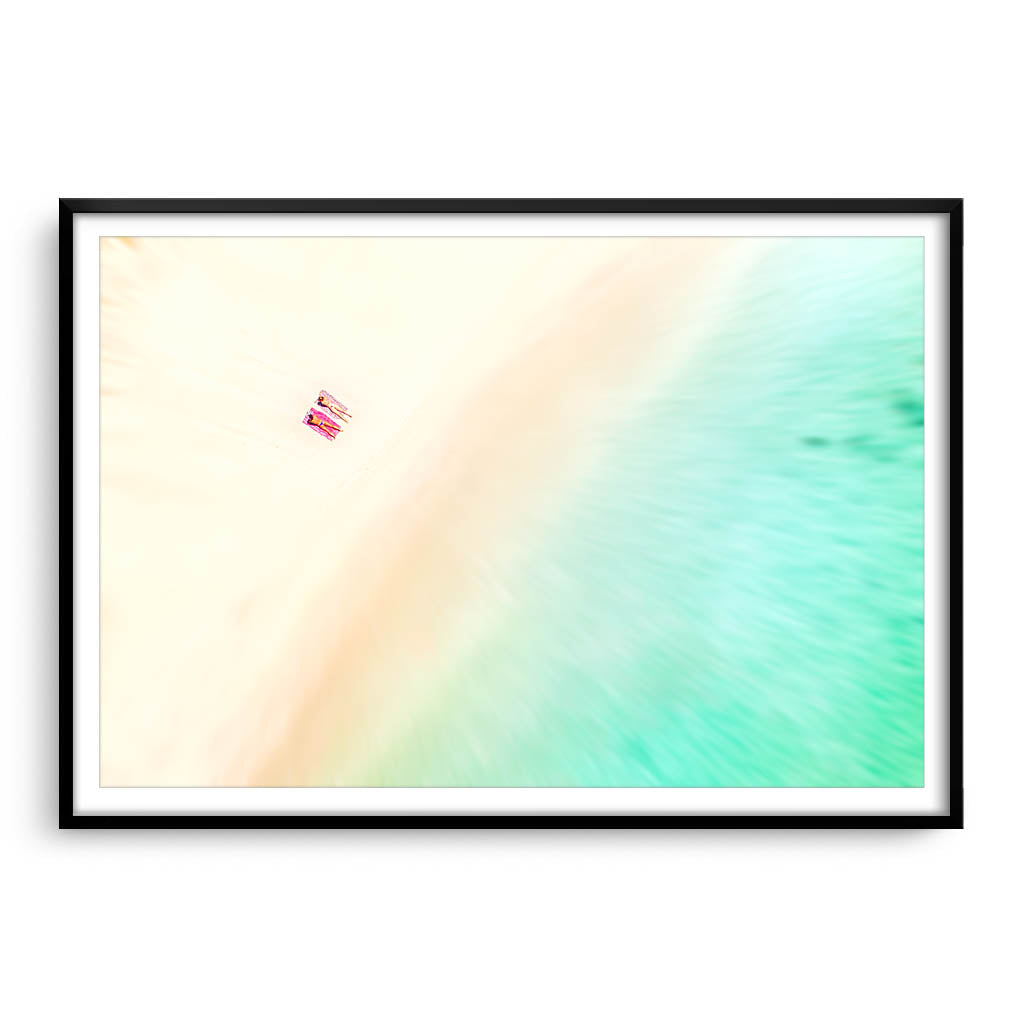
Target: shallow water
<point x="730" y="593"/>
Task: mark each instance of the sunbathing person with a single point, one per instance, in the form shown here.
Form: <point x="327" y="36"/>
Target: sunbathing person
<point x="322" y="423"/>
<point x="329" y="402"/>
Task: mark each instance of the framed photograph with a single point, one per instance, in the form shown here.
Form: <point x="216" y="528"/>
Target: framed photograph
<point x="477" y="513"/>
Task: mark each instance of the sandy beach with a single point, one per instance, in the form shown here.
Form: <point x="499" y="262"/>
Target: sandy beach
<point x="267" y="596"/>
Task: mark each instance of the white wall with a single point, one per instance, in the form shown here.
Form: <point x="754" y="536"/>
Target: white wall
<point x="112" y="99"/>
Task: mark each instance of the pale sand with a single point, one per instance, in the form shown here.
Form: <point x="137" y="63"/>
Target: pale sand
<point x="267" y="595"/>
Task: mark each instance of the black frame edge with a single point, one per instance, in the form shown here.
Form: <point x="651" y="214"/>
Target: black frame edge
<point x="551" y="822"/>
<point x="956" y="514"/>
<point x="692" y="206"/>
<point x="65" y="501"/>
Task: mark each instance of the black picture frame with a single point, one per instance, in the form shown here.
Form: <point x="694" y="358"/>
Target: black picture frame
<point x="951" y="208"/>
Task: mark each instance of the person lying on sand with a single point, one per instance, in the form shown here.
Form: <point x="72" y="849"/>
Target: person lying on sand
<point x="322" y="423"/>
<point x="330" y="402"/>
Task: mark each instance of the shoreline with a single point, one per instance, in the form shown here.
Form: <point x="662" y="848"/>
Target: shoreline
<point x="465" y="504"/>
<point x="311" y="567"/>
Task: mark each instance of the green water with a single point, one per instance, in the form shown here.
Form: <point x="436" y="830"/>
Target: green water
<point x="734" y="595"/>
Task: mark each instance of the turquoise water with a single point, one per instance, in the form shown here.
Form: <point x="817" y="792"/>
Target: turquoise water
<point x="733" y="594"/>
